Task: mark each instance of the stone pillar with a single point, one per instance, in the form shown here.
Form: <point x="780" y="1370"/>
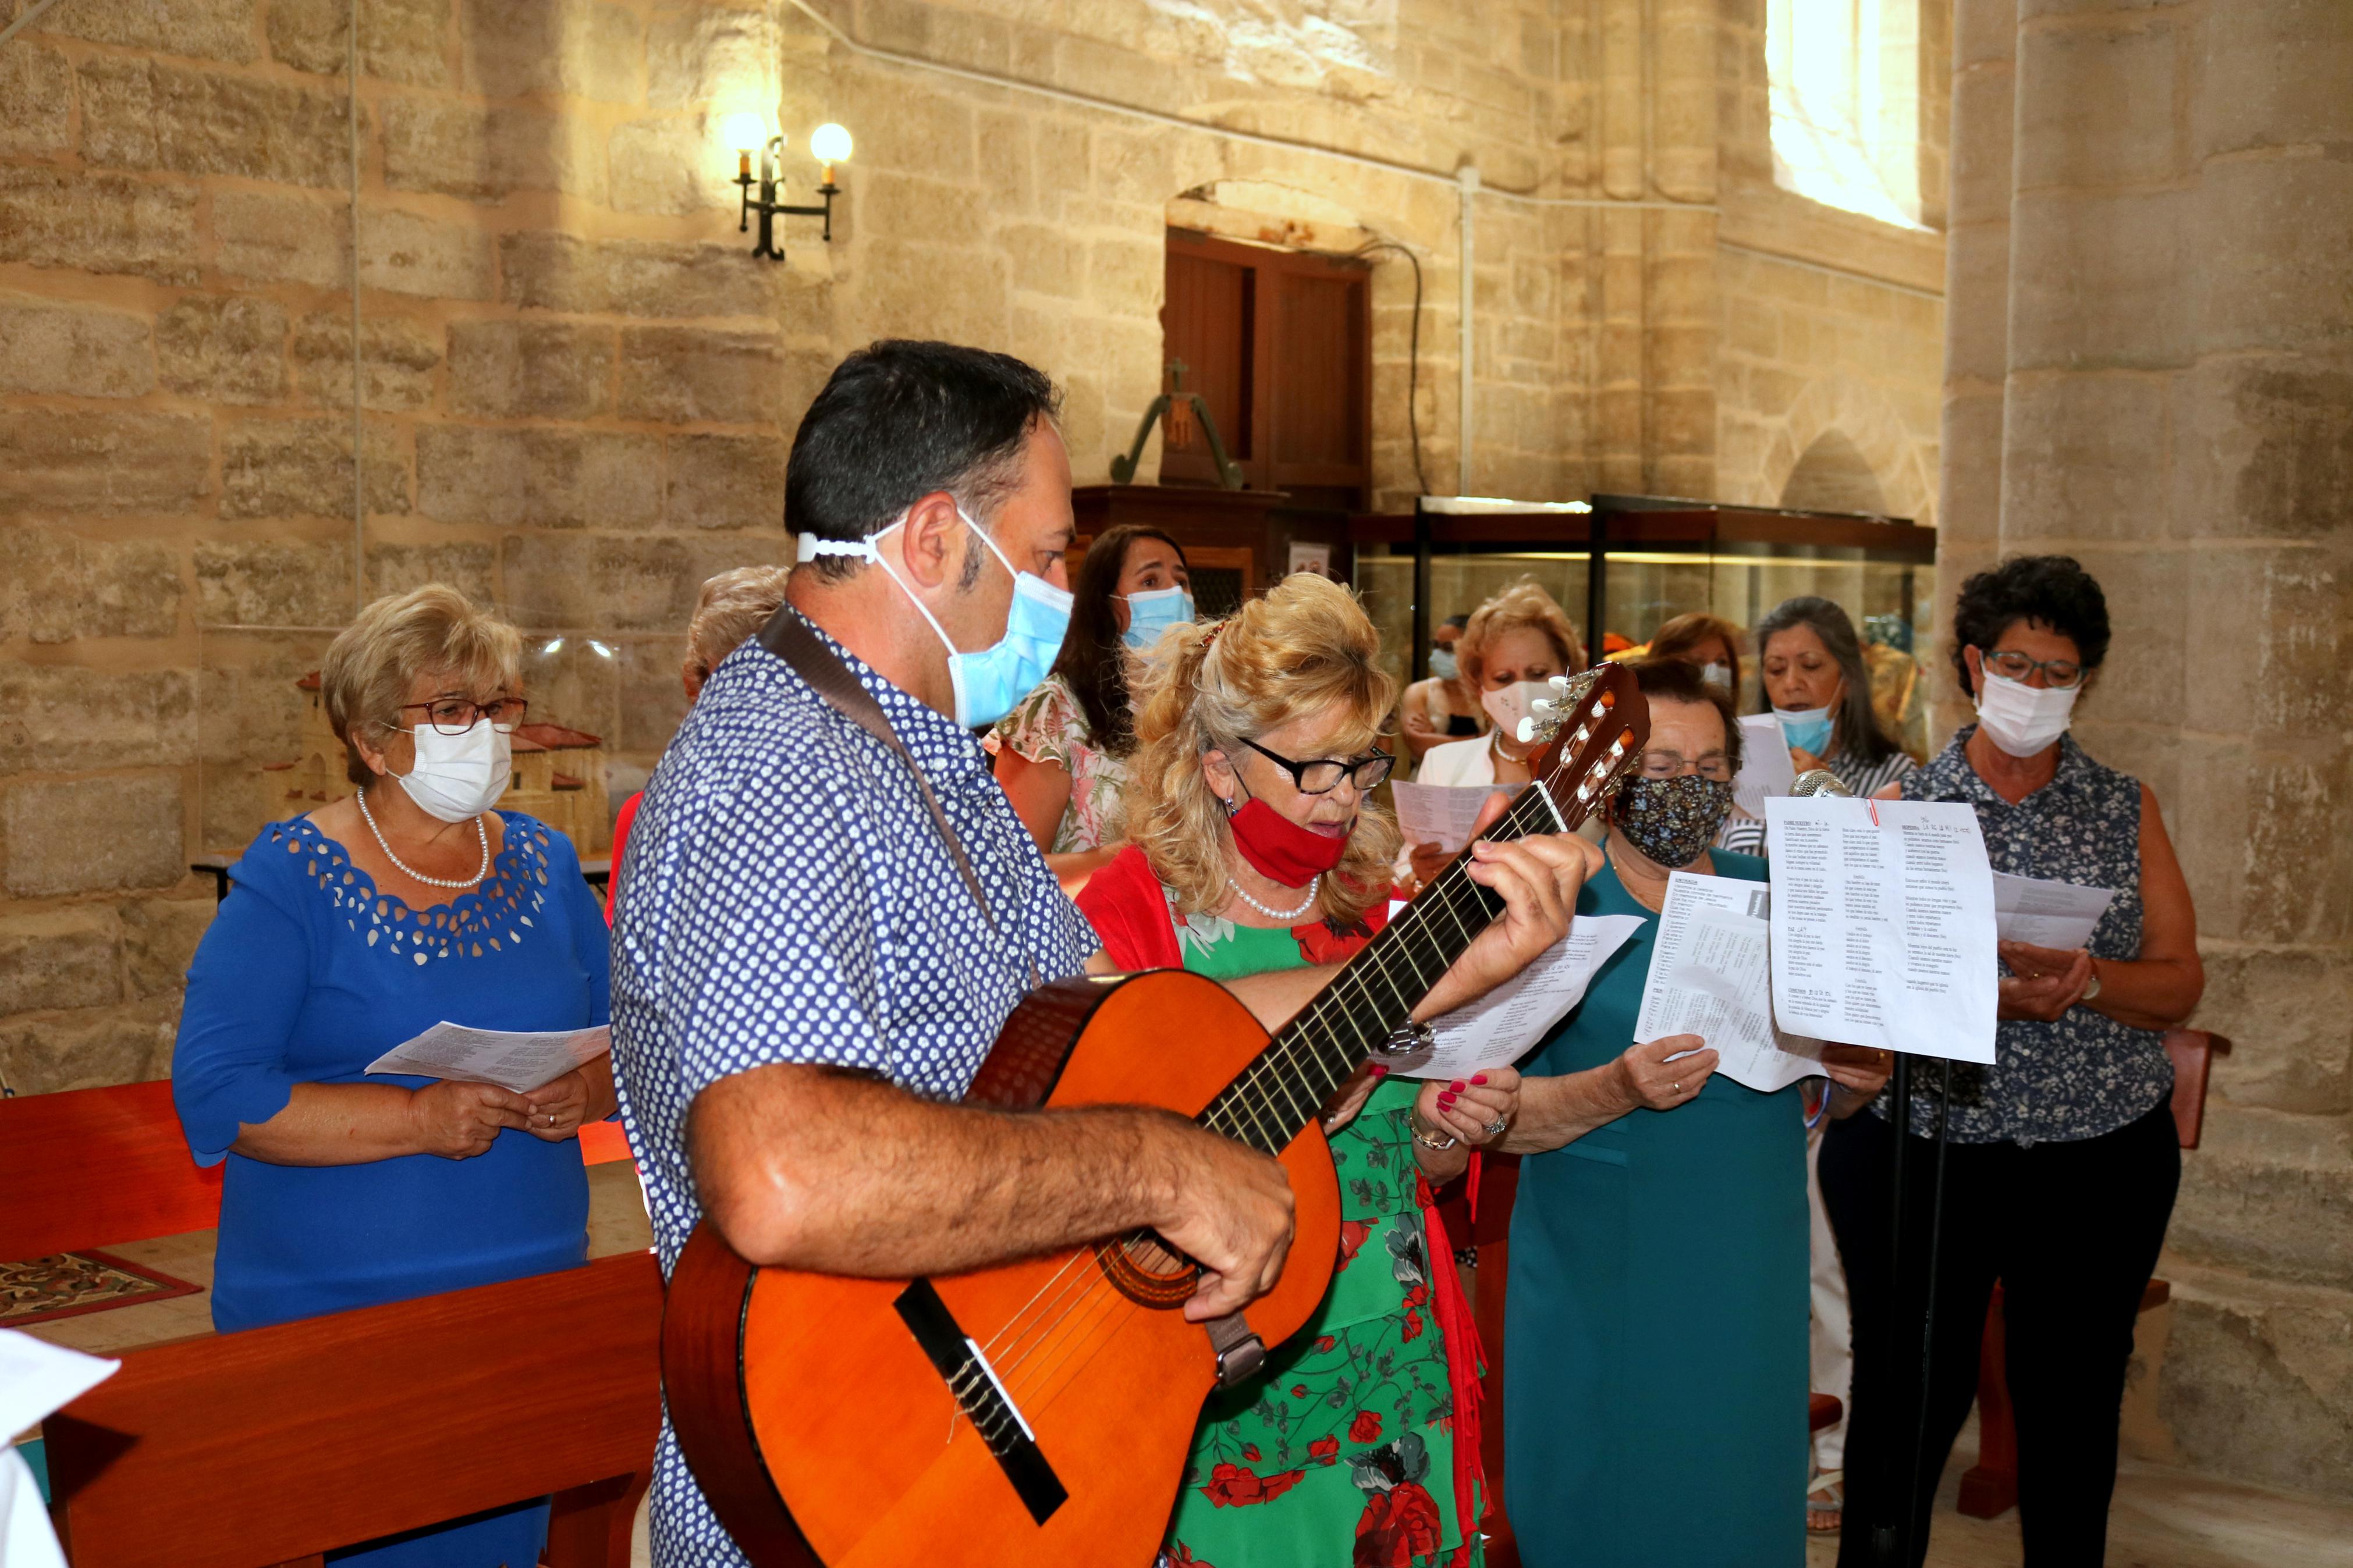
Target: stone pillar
<point x="2174" y="401"/>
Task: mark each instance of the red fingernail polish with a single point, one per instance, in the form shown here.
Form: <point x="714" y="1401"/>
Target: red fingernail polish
<point x="1445" y="1099"/>
<point x="1379" y="1071"/>
<point x="1479" y="1078"/>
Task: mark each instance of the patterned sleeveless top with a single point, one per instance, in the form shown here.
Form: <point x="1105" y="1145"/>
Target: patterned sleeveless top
<point x="2086" y="1074"/>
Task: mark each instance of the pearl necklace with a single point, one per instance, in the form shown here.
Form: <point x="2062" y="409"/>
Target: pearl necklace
<point x="1306" y="904"/>
<point x="401" y="866"/>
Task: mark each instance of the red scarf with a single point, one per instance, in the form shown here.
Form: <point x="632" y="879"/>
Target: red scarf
<point x="1129" y="910"/>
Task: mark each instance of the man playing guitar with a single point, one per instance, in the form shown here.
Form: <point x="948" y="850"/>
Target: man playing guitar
<point x="808" y="970"/>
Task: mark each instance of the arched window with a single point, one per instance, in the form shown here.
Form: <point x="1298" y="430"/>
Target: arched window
<point x="1845" y="80"/>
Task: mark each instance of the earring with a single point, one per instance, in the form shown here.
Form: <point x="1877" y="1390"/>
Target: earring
<point x="1228" y="802"/>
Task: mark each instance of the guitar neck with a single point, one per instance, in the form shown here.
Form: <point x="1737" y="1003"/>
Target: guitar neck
<point x="1375" y="993"/>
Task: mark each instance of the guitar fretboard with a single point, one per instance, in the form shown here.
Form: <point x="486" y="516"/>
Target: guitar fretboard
<point x="1375" y="993"/>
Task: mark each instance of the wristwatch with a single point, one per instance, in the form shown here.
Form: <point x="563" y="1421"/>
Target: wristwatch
<point x="2092" y="989"/>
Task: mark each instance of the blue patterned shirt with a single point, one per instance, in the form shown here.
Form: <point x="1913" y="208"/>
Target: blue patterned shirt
<point x="787" y="898"/>
<point x="2086" y="1074"/>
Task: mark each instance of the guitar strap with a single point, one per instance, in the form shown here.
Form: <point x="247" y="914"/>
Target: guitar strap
<point x="789" y="638"/>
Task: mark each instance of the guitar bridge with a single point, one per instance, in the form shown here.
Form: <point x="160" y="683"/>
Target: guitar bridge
<point x="982" y="1396"/>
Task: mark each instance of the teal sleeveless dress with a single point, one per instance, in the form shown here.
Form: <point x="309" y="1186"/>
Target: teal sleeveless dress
<point x="1654" y="1362"/>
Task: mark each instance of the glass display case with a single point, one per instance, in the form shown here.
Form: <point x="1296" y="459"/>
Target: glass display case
<point x="1624" y="566"/>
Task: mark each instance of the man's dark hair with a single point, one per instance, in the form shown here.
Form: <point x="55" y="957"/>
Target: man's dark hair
<point x="1681" y="680"/>
<point x="901" y="418"/>
<point x="1093" y="658"/>
<point x="2055" y="590"/>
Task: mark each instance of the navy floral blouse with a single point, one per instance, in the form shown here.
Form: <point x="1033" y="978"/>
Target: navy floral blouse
<point x="2086" y="1074"/>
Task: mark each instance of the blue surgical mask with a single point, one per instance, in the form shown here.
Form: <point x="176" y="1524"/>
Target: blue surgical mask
<point x="1153" y="612"/>
<point x="989" y="683"/>
<point x="1443" y="665"/>
<point x="1807" y="729"/>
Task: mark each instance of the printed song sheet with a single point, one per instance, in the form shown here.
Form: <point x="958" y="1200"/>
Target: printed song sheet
<point x="1765" y="766"/>
<point x="2048" y="914"/>
<point x="520" y="1061"/>
<point x="1502" y="1027"/>
<point x="1442" y="814"/>
<point x="1884" y="924"/>
<point x="1709" y="977"/>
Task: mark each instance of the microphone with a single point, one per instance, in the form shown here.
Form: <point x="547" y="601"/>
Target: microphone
<point x="1820" y="781"/>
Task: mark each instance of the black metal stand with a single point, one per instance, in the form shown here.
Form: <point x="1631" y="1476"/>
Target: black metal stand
<point x="768" y="207"/>
<point x="1896" y="1532"/>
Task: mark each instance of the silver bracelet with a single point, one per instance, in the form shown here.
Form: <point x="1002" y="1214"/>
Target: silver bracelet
<point x="1436" y="1145"/>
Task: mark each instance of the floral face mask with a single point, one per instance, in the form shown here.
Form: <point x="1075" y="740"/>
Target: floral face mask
<point x="1673" y="820"/>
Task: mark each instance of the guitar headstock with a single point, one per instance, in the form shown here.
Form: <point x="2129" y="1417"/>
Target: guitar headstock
<point x="1594" y="727"/>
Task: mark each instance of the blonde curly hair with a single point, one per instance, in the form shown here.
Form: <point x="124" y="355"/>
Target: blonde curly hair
<point x="1524" y="604"/>
<point x="1305" y="648"/>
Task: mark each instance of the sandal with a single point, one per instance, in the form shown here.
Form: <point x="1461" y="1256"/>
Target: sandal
<point x="1824" y="1515"/>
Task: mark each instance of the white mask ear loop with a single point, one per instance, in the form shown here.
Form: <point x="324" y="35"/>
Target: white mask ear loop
<point x="807" y="546"/>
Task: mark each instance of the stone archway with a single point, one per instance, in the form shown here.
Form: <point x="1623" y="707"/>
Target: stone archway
<point x="1869" y="440"/>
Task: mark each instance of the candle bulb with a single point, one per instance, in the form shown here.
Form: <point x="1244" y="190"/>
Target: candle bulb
<point x="827" y="180"/>
<point x="743" y="164"/>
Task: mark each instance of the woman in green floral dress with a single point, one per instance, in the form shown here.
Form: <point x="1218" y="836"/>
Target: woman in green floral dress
<point x="1255" y="853"/>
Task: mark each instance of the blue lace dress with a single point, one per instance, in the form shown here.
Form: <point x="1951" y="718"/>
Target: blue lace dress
<point x="307" y="975"/>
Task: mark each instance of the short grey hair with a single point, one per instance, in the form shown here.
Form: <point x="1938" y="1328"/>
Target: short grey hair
<point x="732" y="607"/>
<point x="373" y="662"/>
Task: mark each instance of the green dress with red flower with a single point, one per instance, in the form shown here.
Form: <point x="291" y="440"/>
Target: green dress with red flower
<point x="1342" y="1452"/>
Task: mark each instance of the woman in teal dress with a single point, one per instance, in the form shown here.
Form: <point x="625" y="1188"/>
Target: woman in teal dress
<point x="1655" y="1335"/>
<point x="1256" y="858"/>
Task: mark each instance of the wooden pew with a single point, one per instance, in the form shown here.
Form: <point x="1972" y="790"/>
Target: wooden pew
<point x="1989" y="1487"/>
<point x="273" y="1446"/>
<point x="97" y="1167"/>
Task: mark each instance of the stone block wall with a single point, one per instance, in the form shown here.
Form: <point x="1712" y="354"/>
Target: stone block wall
<point x="571" y="390"/>
<point x="2151" y="369"/>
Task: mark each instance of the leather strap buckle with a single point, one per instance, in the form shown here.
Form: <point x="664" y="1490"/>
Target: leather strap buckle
<point x="1240" y="1352"/>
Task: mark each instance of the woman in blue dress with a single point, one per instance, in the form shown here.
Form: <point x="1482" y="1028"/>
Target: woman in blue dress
<point x="1655" y="1330"/>
<point x="353" y="928"/>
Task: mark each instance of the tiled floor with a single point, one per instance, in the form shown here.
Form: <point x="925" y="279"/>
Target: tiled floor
<point x="2161" y="1518"/>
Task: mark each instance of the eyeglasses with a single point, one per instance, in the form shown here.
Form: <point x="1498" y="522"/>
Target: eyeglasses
<point x="2011" y="665"/>
<point x="1322" y="775"/>
<point x="1672" y="764"/>
<point x="455" y="715"/>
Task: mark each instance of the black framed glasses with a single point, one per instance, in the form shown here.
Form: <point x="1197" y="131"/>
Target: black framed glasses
<point x="1322" y="775"/>
<point x="2012" y="665"/>
<point x="1666" y="764"/>
<point x="456" y="715"/>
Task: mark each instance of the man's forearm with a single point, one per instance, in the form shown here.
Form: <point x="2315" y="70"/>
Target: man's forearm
<point x="825" y="1170"/>
<point x="1558" y="1110"/>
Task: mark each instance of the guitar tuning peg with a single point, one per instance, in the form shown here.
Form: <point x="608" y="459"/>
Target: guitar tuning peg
<point x="1527" y="732"/>
<point x="1542" y="705"/>
<point x="1558" y="683"/>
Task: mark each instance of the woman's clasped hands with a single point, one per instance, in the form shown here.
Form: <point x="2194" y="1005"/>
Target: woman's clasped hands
<point x="1474" y="1110"/>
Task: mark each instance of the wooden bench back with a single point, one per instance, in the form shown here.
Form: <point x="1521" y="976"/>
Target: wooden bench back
<point x="97" y="1167"/>
<point x="271" y="1446"/>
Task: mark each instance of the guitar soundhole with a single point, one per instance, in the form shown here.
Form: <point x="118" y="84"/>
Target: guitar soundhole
<point x="1143" y="1268"/>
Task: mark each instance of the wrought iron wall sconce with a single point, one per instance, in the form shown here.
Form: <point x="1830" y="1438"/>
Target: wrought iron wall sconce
<point x="829" y="143"/>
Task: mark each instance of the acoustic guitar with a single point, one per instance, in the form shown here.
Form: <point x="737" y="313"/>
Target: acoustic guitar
<point x="1040" y="1412"/>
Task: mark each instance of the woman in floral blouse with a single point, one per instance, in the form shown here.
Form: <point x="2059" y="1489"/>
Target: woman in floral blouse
<point x="2065" y="1156"/>
<point x="1062" y="754"/>
<point x="1256" y="851"/>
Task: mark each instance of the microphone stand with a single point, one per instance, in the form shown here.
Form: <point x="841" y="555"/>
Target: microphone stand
<point x="1894" y="1533"/>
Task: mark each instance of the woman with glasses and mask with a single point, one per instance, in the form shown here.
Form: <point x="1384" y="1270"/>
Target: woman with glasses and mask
<point x="1255" y="851"/>
<point x="358" y="927"/>
<point x="1062" y="754"/>
<point x="2064" y="1155"/>
<point x="1655" y="1331"/>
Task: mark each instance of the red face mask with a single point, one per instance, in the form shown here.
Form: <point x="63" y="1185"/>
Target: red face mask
<point x="1280" y="849"/>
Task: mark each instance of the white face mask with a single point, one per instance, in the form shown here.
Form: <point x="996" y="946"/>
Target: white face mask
<point x="1510" y="704"/>
<point x="458" y="776"/>
<point x="1716" y="675"/>
<point x="2022" y="720"/>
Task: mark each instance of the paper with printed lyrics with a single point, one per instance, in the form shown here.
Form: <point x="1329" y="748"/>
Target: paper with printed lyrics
<point x="1766" y="769"/>
<point x="1442" y="814"/>
<point x="2047" y="914"/>
<point x="1504" y="1025"/>
<point x="1709" y="977"/>
<point x="521" y="1060"/>
<point x="1884" y="928"/>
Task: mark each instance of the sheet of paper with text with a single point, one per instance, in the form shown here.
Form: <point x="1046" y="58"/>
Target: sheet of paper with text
<point x="2048" y="914"/>
<point x="1442" y="814"/>
<point x="1884" y="924"/>
<point x="521" y="1060"/>
<point x="1504" y="1025"/>
<point x="1709" y="977"/>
